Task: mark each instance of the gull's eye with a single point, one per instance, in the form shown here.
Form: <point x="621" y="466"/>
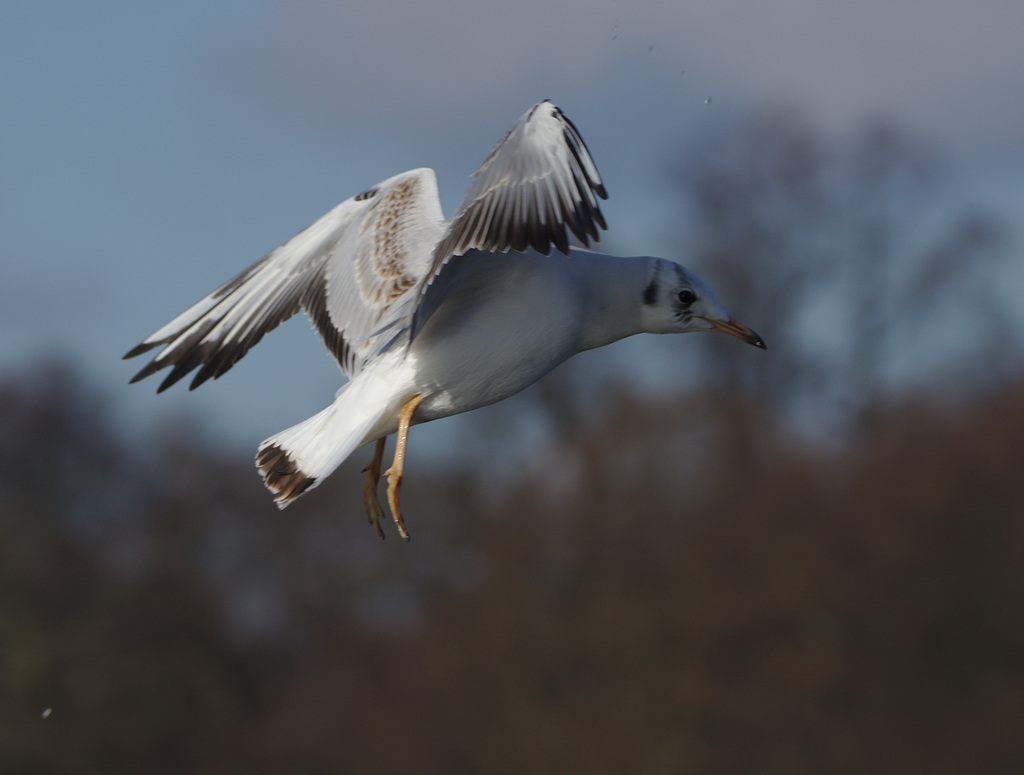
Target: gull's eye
<point x="687" y="297"/>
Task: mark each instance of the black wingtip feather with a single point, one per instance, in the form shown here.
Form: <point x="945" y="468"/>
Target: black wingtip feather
<point x="150" y="368"/>
<point x="139" y="349"/>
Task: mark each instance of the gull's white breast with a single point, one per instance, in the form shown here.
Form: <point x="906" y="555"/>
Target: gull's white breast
<point x="507" y="320"/>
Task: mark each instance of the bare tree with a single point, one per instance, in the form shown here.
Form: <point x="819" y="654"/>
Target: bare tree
<point x="840" y="252"/>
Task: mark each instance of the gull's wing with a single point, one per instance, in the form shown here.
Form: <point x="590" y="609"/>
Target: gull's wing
<point x="538" y="180"/>
<point x="367" y="267"/>
<point x="350" y="271"/>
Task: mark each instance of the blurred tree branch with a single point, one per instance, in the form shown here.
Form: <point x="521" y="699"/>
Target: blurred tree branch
<point x="847" y="256"/>
<point x="666" y="610"/>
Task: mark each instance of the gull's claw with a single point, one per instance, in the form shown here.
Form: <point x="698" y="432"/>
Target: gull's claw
<point x="395" y="473"/>
<point x="374" y="511"/>
<point x="394" y="486"/>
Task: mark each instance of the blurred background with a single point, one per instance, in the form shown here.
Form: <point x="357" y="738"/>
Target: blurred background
<point x="675" y="554"/>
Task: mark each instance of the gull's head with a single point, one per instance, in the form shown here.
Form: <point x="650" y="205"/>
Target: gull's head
<point x="675" y="301"/>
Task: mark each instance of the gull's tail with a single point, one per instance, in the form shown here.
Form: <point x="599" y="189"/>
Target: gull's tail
<point x="296" y="460"/>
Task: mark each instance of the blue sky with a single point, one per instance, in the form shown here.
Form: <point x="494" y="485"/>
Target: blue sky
<point x="150" y="151"/>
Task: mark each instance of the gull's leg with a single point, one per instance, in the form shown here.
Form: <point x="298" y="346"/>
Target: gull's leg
<point x="374" y="511"/>
<point x="394" y="474"/>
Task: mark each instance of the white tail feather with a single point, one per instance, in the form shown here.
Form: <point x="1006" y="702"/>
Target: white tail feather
<point x="296" y="460"/>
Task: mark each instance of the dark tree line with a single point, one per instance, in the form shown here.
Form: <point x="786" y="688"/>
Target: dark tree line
<point x="655" y="608"/>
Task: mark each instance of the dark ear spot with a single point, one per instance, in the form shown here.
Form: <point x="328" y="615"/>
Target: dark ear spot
<point x="651" y="294"/>
<point x="651" y="291"/>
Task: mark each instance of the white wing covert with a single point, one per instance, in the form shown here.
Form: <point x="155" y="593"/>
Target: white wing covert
<point x="538" y="180"/>
<point x="350" y="271"/>
<point x="364" y="273"/>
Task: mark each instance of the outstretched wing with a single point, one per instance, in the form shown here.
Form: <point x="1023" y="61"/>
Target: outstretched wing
<point x="538" y="180"/>
<point x="350" y="271"/>
<point x="538" y="183"/>
<point x="364" y="270"/>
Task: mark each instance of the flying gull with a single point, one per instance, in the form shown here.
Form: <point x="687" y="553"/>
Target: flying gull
<point x="430" y="317"/>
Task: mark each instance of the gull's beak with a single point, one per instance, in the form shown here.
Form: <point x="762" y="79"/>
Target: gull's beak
<point x="738" y="330"/>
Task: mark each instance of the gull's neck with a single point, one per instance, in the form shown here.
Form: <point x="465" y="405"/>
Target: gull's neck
<point x="613" y="289"/>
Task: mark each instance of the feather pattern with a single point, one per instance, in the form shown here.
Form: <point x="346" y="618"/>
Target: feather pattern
<point x="539" y="179"/>
<point x="364" y="272"/>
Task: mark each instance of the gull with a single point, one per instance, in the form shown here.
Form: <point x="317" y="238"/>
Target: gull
<point x="429" y="317"/>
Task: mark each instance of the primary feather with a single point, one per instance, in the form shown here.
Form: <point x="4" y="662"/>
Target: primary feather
<point x="364" y="271"/>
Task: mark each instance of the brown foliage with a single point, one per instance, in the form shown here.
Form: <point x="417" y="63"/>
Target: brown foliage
<point x="681" y="586"/>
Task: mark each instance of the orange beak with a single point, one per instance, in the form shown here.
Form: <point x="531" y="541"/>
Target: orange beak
<point x="740" y="331"/>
